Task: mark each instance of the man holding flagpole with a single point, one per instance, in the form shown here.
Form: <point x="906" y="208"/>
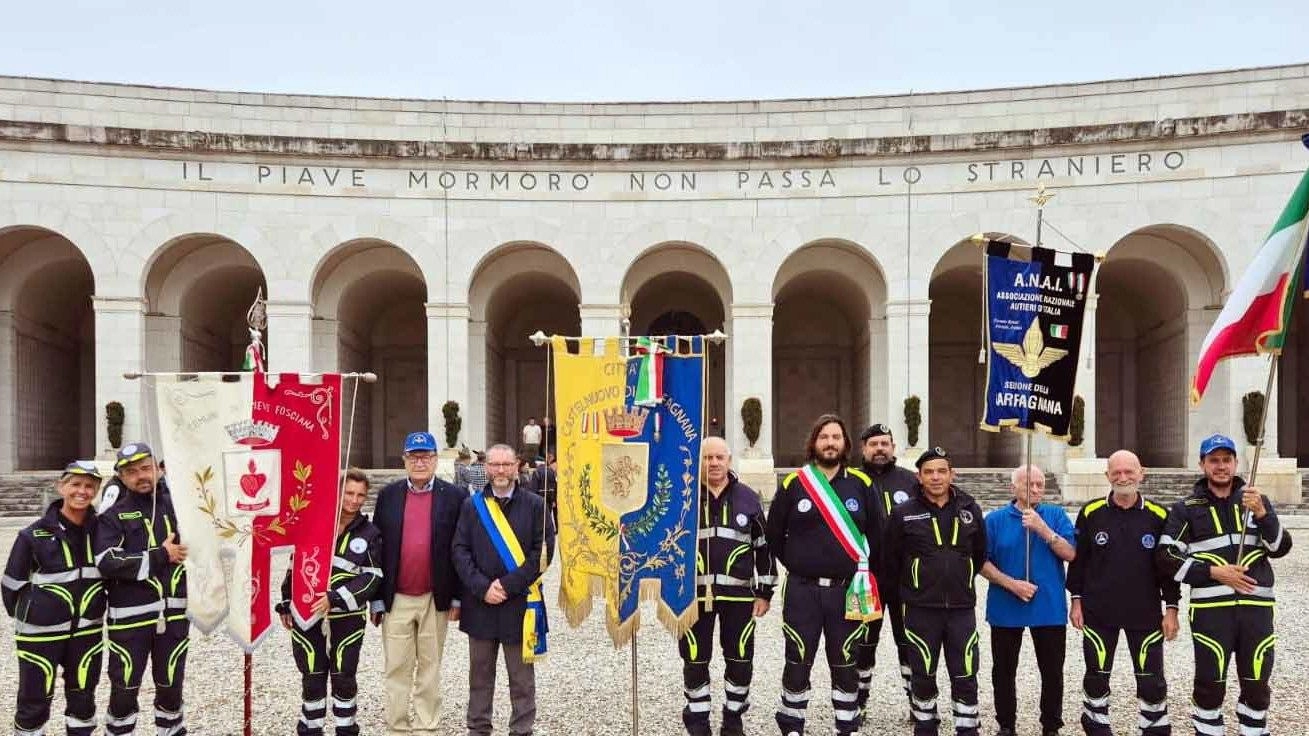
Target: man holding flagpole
<point x="820" y="527"/>
<point x="502" y="545"/>
<point x="1220" y="538"/>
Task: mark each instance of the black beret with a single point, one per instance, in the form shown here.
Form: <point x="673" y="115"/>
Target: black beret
<point x="932" y="453"/>
<point x="875" y="430"/>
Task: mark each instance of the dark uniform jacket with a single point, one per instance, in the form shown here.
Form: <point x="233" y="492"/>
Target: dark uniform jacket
<point x="800" y="539"/>
<point x="1114" y="574"/>
<point x="51" y="585"/>
<point x="389" y="516"/>
<point x="1203" y="530"/>
<point x="478" y="563"/>
<point x="891" y="485"/>
<point x="128" y="543"/>
<point x="732" y="553"/>
<point x="931" y="554"/>
<point x="356" y="570"/>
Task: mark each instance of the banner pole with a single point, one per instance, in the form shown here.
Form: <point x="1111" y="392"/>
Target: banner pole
<point x="1027" y="473"/>
<point x="1258" y="448"/>
<point x="249" y="709"/>
<point x="625" y="331"/>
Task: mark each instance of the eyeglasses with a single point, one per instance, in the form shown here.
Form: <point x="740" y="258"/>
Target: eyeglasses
<point x="424" y="457"/>
<point x="502" y="465"/>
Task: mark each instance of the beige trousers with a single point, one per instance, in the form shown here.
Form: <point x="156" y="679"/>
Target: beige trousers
<point x="413" y="640"/>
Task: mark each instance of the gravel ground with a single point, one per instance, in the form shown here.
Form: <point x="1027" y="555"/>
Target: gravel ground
<point x="583" y="687"/>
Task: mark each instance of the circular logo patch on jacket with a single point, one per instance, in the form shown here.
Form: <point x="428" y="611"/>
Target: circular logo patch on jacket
<point x="966" y="516"/>
<point x="804" y="505"/>
<point x="1147" y="541"/>
<point x="358" y="546"/>
<point x="1102" y="538"/>
<point x="741" y="520"/>
<point x="851" y="505"/>
<point x="900" y="497"/>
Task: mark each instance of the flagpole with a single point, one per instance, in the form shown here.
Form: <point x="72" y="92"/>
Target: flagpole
<point x="624" y="331"/>
<point x="1039" y="199"/>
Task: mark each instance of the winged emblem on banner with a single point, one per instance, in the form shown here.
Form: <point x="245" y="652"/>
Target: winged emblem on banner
<point x="1031" y="356"/>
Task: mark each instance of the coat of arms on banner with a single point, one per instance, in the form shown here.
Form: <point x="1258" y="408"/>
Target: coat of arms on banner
<point x="629" y="479"/>
<point x="252" y="481"/>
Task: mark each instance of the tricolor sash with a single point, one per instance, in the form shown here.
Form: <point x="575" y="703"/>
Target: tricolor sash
<point x="862" y="602"/>
<point x="511" y="554"/>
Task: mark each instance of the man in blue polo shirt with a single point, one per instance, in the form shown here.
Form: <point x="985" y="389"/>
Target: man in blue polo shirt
<point x="1027" y="592"/>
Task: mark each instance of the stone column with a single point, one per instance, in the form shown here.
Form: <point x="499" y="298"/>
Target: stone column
<point x="289" y="337"/>
<point x="1083" y="472"/>
<point x="907" y="365"/>
<point x="1220" y="410"/>
<point x="750" y="352"/>
<point x="475" y="413"/>
<point x="120" y="333"/>
<point x="8" y="394"/>
<point x="601" y="320"/>
<point x="448" y="351"/>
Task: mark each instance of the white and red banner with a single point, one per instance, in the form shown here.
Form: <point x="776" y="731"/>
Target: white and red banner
<point x="254" y="466"/>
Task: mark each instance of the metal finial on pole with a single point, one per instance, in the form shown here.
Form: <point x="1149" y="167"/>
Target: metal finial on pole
<point x="1040" y="199"/>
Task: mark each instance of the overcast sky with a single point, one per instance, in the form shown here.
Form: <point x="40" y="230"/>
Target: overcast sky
<point x="622" y="50"/>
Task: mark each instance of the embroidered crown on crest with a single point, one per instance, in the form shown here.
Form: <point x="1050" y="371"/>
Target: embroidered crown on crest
<point x="626" y="423"/>
<point x="248" y="432"/>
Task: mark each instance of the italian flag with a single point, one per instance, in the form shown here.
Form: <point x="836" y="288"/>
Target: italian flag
<point x="1257" y="314"/>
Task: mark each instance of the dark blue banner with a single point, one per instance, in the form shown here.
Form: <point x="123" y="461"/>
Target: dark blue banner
<point x="656" y="551"/>
<point x="1034" y="311"/>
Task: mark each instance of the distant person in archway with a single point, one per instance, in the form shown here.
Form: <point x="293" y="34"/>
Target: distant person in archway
<point x="531" y="439"/>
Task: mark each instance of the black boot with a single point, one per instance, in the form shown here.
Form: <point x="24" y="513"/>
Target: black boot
<point x="732" y="727"/>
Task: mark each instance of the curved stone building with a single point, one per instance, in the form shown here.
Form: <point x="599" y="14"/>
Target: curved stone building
<point x="425" y="240"/>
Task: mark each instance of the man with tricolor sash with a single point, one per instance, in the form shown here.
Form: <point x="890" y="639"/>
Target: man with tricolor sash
<point x="820" y="527"/>
<point x="54" y="593"/>
<point x="502" y="545"/>
<point x="935" y="545"/>
<point x="1219" y="540"/>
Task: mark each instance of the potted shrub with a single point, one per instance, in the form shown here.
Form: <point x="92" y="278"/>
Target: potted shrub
<point x="453" y="423"/>
<point x="114" y="415"/>
<point x="913" y="420"/>
<point x="752" y="419"/>
<point x="1077" y="428"/>
<point x="1252" y="411"/>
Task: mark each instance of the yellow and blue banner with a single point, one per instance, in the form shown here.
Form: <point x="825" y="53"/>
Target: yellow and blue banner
<point x="629" y="480"/>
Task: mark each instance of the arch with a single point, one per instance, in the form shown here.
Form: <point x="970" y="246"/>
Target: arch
<point x="679" y="283"/>
<point x="828" y="341"/>
<point x="677" y="257"/>
<point x="368" y="312"/>
<point x="957" y="378"/>
<point x="517" y="288"/>
<point x="1151" y="279"/>
<point x="158" y="242"/>
<point x="335" y="242"/>
<point x="47" y="350"/>
<point x="333" y="274"/>
<point x="198" y="288"/>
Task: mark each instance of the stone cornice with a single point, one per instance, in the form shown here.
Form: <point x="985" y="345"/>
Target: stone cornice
<point x="1166" y="133"/>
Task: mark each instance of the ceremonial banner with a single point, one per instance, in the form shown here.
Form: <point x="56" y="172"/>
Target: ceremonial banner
<point x="587" y="386"/>
<point x="657" y="455"/>
<point x="254" y="461"/>
<point x="1034" y="334"/>
<point x="629" y="479"/>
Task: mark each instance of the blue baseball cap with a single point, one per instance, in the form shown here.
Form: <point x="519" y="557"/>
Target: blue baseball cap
<point x="420" y="442"/>
<point x="1216" y="442"/>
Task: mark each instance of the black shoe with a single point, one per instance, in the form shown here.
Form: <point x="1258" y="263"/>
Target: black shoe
<point x="732" y="728"/>
<point x="699" y="730"/>
<point x="1006" y="732"/>
<point x="1050" y="733"/>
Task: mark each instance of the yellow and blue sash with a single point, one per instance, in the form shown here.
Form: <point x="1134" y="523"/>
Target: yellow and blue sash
<point x="506" y="544"/>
